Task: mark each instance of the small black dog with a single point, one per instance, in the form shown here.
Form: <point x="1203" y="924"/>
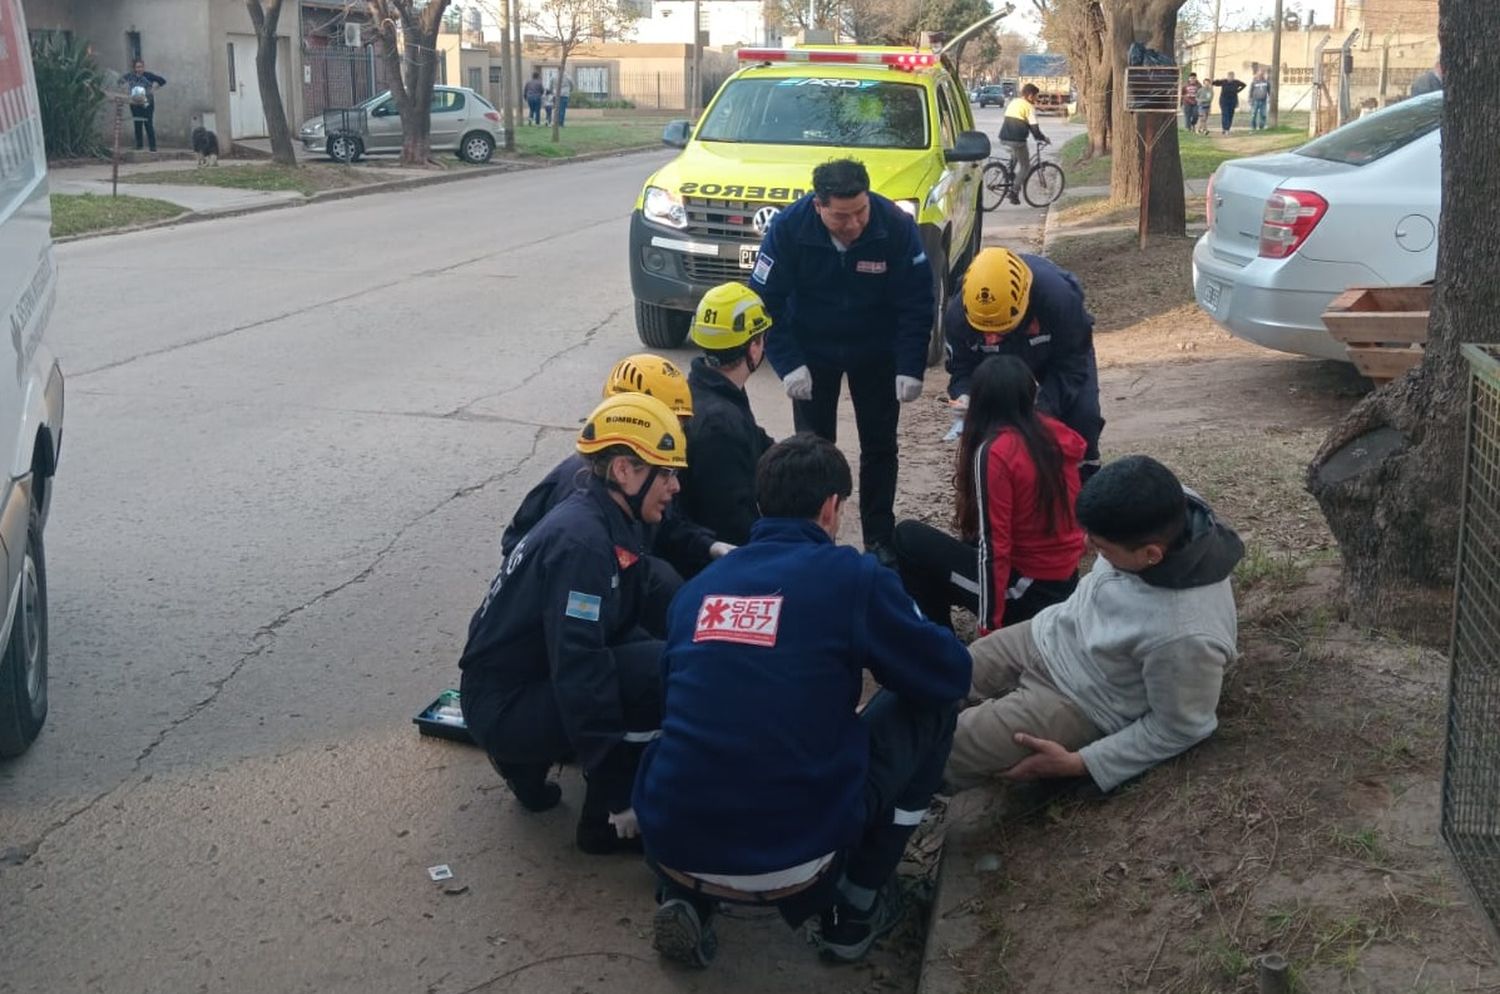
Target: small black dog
<point x="206" y="144"/>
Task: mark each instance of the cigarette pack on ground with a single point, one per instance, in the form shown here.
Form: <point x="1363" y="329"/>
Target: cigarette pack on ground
<point x="444" y="719"/>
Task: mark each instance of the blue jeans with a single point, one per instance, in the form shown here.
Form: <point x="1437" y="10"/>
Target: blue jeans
<point x="1257" y="114"/>
<point x="534" y="105"/>
<point x="1227" y="113"/>
<point x="562" y="111"/>
<point x="1190" y="116"/>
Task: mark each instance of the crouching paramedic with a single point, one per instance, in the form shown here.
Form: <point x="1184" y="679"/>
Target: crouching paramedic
<point x="1125" y="673"/>
<point x="1028" y="307"/>
<point x="767" y="786"/>
<point x="564" y="655"/>
<point x="675" y="541"/>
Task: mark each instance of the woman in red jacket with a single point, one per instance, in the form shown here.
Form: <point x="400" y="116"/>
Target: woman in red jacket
<point x="1017" y="481"/>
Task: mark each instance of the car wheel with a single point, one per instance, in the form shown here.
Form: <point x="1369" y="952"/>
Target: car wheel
<point x="23" y="668"/>
<point x="476" y="148"/>
<point x="345" y="148"/>
<point x="661" y="327"/>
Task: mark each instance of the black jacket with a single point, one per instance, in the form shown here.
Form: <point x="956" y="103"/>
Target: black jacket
<point x="571" y="589"/>
<point x="1229" y="92"/>
<point x="724" y="446"/>
<point x="1056" y="341"/>
<point x="676" y="539"/>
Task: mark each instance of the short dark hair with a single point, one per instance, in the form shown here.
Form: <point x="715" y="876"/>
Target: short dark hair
<point x="1133" y="501"/>
<point x="840" y="178"/>
<point x="797" y="474"/>
<point x="1030" y="90"/>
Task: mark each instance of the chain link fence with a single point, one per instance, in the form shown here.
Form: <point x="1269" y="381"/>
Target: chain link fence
<point x="1471" y="770"/>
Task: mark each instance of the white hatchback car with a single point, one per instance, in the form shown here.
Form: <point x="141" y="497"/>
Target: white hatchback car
<point x="1288" y="232"/>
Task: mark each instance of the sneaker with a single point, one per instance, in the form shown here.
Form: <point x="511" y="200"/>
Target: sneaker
<point x="883" y="554"/>
<point x="529" y="783"/>
<point x="681" y="936"/>
<point x="846" y="934"/>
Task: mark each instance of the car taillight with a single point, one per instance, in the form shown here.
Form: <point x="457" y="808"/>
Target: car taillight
<point x="1208" y="206"/>
<point x="1291" y="215"/>
<point x="490" y="115"/>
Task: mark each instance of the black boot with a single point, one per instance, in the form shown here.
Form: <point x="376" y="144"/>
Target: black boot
<point x="529" y="783"/>
<point x="595" y="835"/>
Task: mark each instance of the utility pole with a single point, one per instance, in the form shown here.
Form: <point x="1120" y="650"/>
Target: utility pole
<point x="517" y="52"/>
<point x="696" y="102"/>
<point x="1273" y="115"/>
<point x="1213" y="46"/>
<point x="508" y="81"/>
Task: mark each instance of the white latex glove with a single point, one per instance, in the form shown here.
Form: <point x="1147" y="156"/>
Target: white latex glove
<point x="625" y="823"/>
<point x="720" y="549"/>
<point x="908" y="389"/>
<point x="798" y="383"/>
<point x="960" y="403"/>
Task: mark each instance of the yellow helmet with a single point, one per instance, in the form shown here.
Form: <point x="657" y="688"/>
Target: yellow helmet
<point x="653" y="376"/>
<point x="639" y="422"/>
<point x="729" y="315"/>
<point x="997" y="291"/>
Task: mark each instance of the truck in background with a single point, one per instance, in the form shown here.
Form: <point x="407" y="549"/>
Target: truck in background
<point x="1049" y="74"/>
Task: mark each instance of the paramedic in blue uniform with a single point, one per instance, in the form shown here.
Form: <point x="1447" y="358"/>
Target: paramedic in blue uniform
<point x="564" y="655"/>
<point x="768" y="787"/>
<point x="1028" y="307"/>
<point x="848" y="287"/>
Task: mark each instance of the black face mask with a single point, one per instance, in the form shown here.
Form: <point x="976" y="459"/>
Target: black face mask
<point x="637" y="499"/>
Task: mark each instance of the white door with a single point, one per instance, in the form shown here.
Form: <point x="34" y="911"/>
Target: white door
<point x="247" y="118"/>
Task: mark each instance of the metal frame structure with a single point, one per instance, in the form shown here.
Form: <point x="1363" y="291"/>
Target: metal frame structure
<point x="1471" y="761"/>
<point x="1152" y="91"/>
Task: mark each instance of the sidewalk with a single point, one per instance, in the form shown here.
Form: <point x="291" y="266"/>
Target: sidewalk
<point x="209" y="200"/>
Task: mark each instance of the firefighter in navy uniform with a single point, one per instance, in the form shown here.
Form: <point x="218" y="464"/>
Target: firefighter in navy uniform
<point x="564" y="655"/>
<point x="686" y="547"/>
<point x="1026" y="306"/>
<point x="726" y="443"/>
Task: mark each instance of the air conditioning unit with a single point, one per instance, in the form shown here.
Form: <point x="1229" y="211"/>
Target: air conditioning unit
<point x="351" y="34"/>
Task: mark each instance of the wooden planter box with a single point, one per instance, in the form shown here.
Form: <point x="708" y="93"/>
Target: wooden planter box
<point x="1384" y="328"/>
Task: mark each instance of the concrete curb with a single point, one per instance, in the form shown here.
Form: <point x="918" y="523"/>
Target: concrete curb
<point x="363" y="189"/>
<point x="952" y="926"/>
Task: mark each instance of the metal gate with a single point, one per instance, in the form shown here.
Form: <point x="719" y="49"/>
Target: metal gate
<point x="1471" y="768"/>
<point x="340" y="77"/>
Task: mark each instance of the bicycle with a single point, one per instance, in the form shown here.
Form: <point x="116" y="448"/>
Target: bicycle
<point x="1044" y="184"/>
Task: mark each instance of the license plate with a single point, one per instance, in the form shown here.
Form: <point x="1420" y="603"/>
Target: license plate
<point x="1211" y="292"/>
<point x="747" y="256"/>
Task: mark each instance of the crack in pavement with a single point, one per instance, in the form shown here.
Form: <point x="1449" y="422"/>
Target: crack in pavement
<point x="308" y="308"/>
<point x="461" y="412"/>
<point x="265" y="636"/>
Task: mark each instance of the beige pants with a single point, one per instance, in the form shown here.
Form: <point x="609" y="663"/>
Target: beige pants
<point x="1007" y="663"/>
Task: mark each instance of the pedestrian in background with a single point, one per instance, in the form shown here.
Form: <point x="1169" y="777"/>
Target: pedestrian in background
<point x="564" y="94"/>
<point x="1429" y="82"/>
<point x="1229" y="98"/>
<point x="549" y="100"/>
<point x="142" y="86"/>
<point x="1260" y="97"/>
<point x="1190" y="101"/>
<point x="848" y="287"/>
<point x="1205" y="105"/>
<point x="532" y="92"/>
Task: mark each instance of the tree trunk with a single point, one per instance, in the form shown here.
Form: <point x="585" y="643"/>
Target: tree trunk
<point x="264" y="14"/>
<point x="562" y="70"/>
<point x="1154" y="24"/>
<point x="412" y="76"/>
<point x="1091" y="54"/>
<point x="509" y="83"/>
<point x="1388" y="476"/>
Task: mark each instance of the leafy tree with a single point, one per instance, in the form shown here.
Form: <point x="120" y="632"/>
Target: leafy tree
<point x="566" y="24"/>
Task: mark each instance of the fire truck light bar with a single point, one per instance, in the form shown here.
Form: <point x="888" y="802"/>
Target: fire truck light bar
<point x="900" y="60"/>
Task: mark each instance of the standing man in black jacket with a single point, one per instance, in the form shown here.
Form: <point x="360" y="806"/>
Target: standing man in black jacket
<point x="1229" y="98"/>
<point x="848" y="287"/>
<point x="726" y="443"/>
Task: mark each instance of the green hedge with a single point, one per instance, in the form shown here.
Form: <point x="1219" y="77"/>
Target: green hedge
<point x="70" y="90"/>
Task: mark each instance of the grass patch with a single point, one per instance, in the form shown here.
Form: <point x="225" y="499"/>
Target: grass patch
<point x="1201" y="154"/>
<point x="585" y="136"/>
<point x="306" y="180"/>
<point x="1091" y="211"/>
<point x="77" y="214"/>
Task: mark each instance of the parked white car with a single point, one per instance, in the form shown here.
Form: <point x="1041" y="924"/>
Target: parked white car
<point x="1288" y="232"/>
<point x="462" y="122"/>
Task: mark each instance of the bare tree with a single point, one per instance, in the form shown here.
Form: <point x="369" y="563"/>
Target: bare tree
<point x="566" y="24"/>
<point x="1388" y="476"/>
<point x="264" y="15"/>
<point x="408" y="31"/>
<point x="1077" y="27"/>
<point x="1153" y="23"/>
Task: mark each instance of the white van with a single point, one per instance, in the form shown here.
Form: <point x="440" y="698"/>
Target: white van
<point x="31" y="390"/>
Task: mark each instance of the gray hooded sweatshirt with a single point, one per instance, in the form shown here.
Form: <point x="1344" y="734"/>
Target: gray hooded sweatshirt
<point x="1143" y="654"/>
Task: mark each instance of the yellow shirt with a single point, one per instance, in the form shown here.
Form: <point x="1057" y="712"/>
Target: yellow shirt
<point x="1022" y="110"/>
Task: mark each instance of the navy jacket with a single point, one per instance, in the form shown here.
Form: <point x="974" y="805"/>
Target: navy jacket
<point x="762" y="760"/>
<point x="1056" y="341"/>
<point x="724" y="446"/>
<point x="569" y="590"/>
<point x="825" y="303"/>
<point x="676" y="539"/>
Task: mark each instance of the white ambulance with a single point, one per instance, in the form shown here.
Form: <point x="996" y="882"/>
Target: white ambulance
<point x="31" y="390"/>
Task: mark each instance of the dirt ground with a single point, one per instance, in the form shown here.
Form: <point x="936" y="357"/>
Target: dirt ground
<point x="1308" y="824"/>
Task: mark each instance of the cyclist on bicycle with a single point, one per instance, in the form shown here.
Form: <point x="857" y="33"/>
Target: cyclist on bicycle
<point x="1027" y="306"/>
<point x="1020" y="123"/>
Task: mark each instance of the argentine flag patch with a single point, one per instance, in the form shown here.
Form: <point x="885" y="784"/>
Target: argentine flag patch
<point x="584" y="607"/>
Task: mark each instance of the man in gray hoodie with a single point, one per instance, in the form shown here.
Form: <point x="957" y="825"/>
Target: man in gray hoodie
<point x="1126" y="672"/>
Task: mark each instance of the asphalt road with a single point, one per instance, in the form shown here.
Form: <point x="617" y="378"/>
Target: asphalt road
<point x="292" y="441"/>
